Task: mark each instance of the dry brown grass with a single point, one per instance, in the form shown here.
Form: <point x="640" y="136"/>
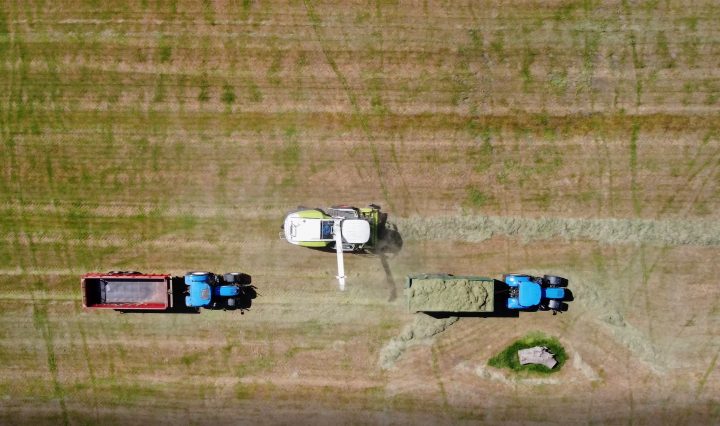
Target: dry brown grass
<point x="165" y="136"/>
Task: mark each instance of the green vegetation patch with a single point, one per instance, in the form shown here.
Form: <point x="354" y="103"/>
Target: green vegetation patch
<point x="508" y="358"/>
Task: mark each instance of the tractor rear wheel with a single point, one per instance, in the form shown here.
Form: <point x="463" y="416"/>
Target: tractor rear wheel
<point x="505" y="277"/>
<point x="555" y="281"/>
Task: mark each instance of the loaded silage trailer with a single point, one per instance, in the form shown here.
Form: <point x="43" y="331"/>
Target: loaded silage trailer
<point x="450" y="293"/>
<point x="445" y="293"/>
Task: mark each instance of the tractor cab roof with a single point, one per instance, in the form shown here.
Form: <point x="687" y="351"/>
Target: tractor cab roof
<point x="530" y="294"/>
<point x="200" y="294"/>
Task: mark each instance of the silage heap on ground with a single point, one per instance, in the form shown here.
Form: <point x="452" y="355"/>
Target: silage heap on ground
<point x="607" y="231"/>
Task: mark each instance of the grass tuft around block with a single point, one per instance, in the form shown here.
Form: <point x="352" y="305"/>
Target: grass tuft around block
<point x="508" y="358"/>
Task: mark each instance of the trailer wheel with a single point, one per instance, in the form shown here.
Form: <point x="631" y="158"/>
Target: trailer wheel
<point x="555" y="281"/>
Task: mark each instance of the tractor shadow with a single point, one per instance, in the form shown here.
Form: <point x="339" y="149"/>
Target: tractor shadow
<point x="243" y="302"/>
<point x="569" y="296"/>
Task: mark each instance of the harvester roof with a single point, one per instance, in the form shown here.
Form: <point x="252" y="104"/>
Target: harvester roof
<point x="355" y="231"/>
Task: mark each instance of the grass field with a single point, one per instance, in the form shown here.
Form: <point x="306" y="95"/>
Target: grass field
<point x="579" y="138"/>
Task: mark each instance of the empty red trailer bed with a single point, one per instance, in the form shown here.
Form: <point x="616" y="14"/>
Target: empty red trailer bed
<point x="127" y="290"/>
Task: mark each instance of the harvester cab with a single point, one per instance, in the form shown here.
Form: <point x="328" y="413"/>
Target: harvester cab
<point x="355" y="232"/>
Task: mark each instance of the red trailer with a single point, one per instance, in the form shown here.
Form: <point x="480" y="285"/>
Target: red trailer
<point x="127" y="290"/>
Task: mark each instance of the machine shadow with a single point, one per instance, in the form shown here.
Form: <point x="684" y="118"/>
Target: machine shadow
<point x="389" y="239"/>
<point x="389" y="244"/>
<point x="244" y="300"/>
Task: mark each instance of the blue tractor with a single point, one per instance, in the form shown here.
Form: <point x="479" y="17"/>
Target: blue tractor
<point x="212" y="291"/>
<point x="528" y="292"/>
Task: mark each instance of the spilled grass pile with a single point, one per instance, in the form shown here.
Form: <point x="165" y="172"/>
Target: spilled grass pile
<point x="508" y="358"/>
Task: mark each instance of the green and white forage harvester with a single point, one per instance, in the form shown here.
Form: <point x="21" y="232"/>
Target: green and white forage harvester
<point x="341" y="228"/>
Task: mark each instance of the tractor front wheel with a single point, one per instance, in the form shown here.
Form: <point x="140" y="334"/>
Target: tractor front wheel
<point x="237" y="278"/>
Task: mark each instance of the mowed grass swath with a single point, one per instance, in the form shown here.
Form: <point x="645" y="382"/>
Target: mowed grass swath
<point x="578" y="138"/>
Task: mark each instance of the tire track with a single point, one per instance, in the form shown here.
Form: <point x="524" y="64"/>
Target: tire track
<point x="710" y="158"/>
<point x="637" y="207"/>
<point x="315" y="20"/>
<point x="42" y="324"/>
<point x="88" y="358"/>
<point x="357" y="111"/>
<point x="712" y="176"/>
<point x="706" y="375"/>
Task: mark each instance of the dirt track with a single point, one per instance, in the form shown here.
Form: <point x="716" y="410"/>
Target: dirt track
<point x="574" y="138"/>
